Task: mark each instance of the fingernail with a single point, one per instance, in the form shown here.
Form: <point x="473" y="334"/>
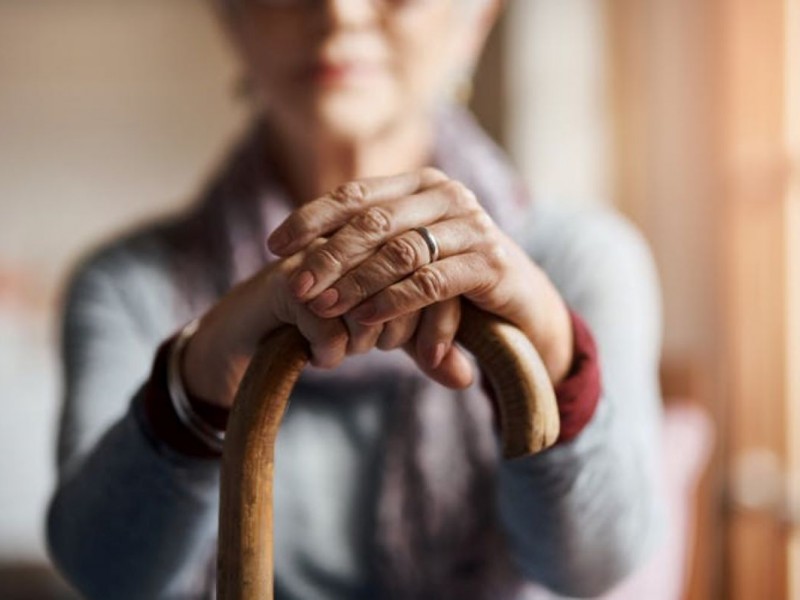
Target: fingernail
<point x="365" y="312"/>
<point x="438" y="354"/>
<point x="278" y="240"/>
<point x="325" y="300"/>
<point x="301" y="283"/>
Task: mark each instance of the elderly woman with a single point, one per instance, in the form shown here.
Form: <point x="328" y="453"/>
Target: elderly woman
<point x="361" y="206"/>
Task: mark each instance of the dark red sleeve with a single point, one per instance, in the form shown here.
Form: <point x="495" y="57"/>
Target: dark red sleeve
<point x="579" y="392"/>
<point x="162" y="419"/>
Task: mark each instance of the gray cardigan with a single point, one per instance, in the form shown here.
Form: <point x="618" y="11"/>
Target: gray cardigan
<point x="129" y="520"/>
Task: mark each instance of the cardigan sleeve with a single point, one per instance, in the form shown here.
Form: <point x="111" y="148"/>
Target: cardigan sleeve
<point x="129" y="517"/>
<point x="582" y="515"/>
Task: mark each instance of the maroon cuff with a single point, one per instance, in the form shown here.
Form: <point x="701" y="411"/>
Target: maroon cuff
<point x="162" y="419"/>
<point x="578" y="393"/>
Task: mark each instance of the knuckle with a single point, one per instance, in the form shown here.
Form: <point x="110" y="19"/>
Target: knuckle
<point x="359" y="284"/>
<point x="496" y="255"/>
<point x="361" y="339"/>
<point x="282" y="270"/>
<point x="435" y="332"/>
<point x="484" y="224"/>
<point x="387" y="337"/>
<point x="460" y="194"/>
<point x="431" y="282"/>
<point x="386" y="343"/>
<point x="316" y="244"/>
<point x="327" y="258"/>
<point x="430" y="175"/>
<point x="402" y="253"/>
<point x="375" y="221"/>
<point x="333" y="341"/>
<point x="390" y="342"/>
<point x="355" y="344"/>
<point x="395" y="334"/>
<point x="469" y="196"/>
<point x="451" y="188"/>
<point x="352" y="192"/>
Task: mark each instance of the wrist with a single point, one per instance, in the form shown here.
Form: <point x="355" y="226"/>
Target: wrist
<point x="160" y="420"/>
<point x="211" y="434"/>
<point x="200" y="376"/>
<point x="557" y="349"/>
<point x="543" y="316"/>
<point x="218" y="353"/>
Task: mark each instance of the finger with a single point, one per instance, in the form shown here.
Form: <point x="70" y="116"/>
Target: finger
<point x="369" y="229"/>
<point x="396" y="259"/>
<point x="437" y="330"/>
<point x="290" y="263"/>
<point x="455" y="371"/>
<point x="282" y="300"/>
<point x="328" y="338"/>
<point x="437" y="353"/>
<point x="468" y="273"/>
<point x="398" y="332"/>
<point x="332" y="210"/>
<point x="361" y="338"/>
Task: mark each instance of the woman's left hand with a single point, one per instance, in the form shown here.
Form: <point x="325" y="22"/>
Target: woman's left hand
<point x="375" y="268"/>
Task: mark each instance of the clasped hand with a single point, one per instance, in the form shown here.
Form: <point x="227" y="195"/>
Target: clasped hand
<point x="355" y="275"/>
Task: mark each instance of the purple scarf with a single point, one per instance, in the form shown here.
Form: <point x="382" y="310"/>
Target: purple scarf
<point x="437" y="535"/>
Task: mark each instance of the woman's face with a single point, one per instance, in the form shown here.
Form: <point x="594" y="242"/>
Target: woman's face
<point x="348" y="69"/>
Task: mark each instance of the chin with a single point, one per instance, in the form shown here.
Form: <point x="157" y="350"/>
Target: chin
<point x="355" y="114"/>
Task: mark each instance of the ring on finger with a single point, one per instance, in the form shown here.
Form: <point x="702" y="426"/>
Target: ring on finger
<point x="430" y="241"/>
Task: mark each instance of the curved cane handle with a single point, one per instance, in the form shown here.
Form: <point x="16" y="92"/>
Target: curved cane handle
<point x="528" y="422"/>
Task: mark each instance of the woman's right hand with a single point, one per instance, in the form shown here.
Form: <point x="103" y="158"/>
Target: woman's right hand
<point x="217" y="356"/>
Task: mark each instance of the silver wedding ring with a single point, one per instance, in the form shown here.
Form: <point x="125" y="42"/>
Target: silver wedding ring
<point x="430" y="241"/>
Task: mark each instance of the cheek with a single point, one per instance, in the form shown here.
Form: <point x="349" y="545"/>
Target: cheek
<point x="426" y="55"/>
<point x="357" y="112"/>
<point x="271" y="57"/>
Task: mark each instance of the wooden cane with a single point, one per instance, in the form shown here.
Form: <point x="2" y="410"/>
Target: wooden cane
<point x="528" y="418"/>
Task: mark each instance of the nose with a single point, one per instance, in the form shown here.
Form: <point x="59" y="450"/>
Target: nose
<point x="349" y="13"/>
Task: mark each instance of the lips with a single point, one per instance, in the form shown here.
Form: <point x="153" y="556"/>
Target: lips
<point x="326" y="72"/>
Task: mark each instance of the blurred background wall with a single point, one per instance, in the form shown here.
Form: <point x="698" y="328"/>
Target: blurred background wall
<point x="110" y="112"/>
<point x="680" y="113"/>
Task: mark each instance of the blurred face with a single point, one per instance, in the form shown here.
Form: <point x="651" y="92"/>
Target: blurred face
<point x="347" y="69"/>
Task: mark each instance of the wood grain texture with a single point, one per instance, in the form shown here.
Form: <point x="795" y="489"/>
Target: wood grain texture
<point x="528" y="419"/>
